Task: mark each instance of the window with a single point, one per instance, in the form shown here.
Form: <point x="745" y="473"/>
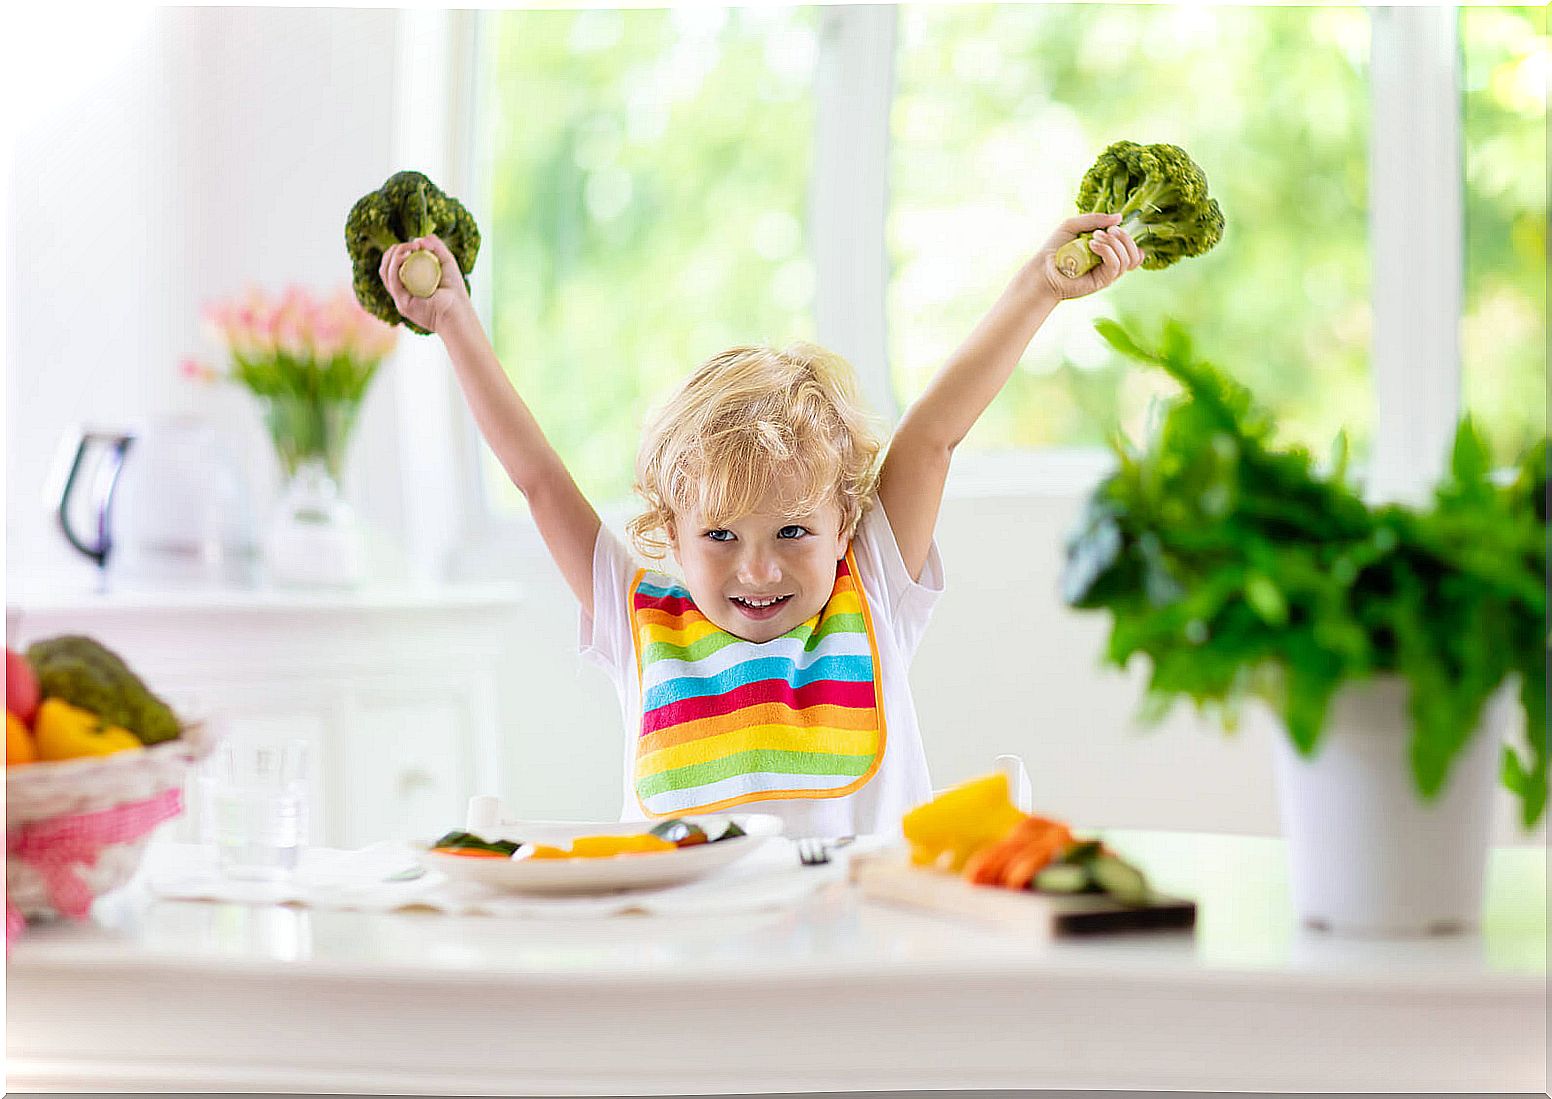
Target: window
<point x="648" y="180"/>
<point x="653" y="175"/>
<point x="1504" y="330"/>
<point x="999" y="110"/>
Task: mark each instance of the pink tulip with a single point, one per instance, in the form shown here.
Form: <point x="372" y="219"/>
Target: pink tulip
<point x="290" y="336"/>
<point x="328" y="338"/>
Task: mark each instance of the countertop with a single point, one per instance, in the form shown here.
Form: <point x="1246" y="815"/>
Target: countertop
<point x="836" y="994"/>
<point x="128" y="599"/>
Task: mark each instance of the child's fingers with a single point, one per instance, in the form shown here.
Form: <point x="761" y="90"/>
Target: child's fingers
<point x="389" y="268"/>
<point x="1133" y="254"/>
<point x="393" y="258"/>
<point x="1108" y="251"/>
<point x="1084" y="223"/>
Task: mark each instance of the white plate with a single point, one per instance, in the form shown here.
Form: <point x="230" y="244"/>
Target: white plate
<point x="641" y="870"/>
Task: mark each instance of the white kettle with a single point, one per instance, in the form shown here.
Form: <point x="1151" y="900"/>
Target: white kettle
<point x="183" y="514"/>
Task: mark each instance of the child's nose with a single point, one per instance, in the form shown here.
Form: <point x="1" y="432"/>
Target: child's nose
<point x="758" y="568"/>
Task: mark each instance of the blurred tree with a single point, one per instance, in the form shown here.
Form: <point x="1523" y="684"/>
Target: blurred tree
<point x="650" y="170"/>
<point x="1504" y="330"/>
<point x="1000" y="109"/>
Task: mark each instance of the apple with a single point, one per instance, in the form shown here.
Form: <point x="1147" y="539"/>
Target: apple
<point x="21" y="686"/>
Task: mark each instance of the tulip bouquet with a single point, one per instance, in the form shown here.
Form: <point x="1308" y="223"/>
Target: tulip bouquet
<point x="308" y="360"/>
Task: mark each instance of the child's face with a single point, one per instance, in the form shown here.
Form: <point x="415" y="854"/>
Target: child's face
<point x="735" y="569"/>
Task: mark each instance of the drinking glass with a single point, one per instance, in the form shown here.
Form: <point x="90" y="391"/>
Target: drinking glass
<point x="255" y="807"/>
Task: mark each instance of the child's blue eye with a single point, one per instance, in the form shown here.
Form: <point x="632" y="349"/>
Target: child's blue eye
<point x="720" y="535"/>
<point x="793" y="531"/>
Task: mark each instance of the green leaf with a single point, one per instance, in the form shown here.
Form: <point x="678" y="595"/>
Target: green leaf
<point x="1117" y="337"/>
<point x="1091" y="554"/>
<point x="1265" y="599"/>
<point x="1469" y="460"/>
<point x="1176" y="344"/>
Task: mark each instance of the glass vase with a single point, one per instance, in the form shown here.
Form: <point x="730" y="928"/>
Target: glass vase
<point x="312" y="538"/>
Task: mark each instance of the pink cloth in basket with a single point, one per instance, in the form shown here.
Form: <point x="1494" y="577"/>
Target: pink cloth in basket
<point x="54" y="846"/>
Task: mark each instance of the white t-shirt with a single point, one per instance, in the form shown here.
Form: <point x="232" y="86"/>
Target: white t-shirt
<point x="900" y="609"/>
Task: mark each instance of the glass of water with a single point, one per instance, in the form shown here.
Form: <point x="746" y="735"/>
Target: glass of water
<point x="255" y="807"/>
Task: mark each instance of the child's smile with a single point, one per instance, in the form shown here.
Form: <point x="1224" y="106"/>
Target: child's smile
<point x="759" y="607"/>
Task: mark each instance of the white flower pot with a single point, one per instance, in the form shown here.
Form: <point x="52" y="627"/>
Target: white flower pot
<point x="1367" y="855"/>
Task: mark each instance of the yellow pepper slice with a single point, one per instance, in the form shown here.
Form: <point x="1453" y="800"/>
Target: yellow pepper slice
<point x="593" y="847"/>
<point x="947" y="830"/>
<point x="543" y="851"/>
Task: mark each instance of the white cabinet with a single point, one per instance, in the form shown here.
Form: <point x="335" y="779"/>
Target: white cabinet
<point x="395" y="690"/>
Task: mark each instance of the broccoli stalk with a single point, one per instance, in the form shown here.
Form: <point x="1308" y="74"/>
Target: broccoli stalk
<point x="1161" y="195"/>
<point x="407" y="206"/>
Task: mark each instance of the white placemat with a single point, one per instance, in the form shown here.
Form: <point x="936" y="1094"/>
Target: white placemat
<point x="770" y="877"/>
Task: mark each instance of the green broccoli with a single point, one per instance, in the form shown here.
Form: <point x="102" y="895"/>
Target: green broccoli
<point x="84" y="673"/>
<point x="407" y="206"/>
<point x="1161" y="195"/>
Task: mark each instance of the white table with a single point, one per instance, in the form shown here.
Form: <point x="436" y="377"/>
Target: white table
<point x="838" y="995"/>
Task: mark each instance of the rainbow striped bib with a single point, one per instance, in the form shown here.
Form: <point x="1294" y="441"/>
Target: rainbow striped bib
<point x="726" y="721"/>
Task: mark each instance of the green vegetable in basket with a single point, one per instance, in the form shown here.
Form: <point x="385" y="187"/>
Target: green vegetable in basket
<point x="88" y="675"/>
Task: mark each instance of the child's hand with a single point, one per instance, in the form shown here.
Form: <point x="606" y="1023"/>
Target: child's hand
<point x="450" y="294"/>
<point x="1118" y="253"/>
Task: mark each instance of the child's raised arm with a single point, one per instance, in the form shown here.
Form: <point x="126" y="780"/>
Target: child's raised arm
<point x="565" y="519"/>
<point x="916" y="467"/>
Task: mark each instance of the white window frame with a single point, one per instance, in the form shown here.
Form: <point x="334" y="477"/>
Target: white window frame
<point x="1416" y="178"/>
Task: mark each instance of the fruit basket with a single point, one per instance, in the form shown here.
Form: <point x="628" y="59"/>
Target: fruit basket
<point x="76" y="828"/>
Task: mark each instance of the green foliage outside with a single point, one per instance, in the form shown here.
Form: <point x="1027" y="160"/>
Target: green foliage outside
<point x="1507" y="60"/>
<point x="649" y="180"/>
<point x="650" y="168"/>
<point x="1237" y="569"/>
<point x="999" y="108"/>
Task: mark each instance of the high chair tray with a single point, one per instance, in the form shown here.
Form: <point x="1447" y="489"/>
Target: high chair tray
<point x="642" y="870"/>
<point x="888" y="877"/>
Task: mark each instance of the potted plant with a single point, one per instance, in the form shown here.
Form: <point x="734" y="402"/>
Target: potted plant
<point x="1389" y="640"/>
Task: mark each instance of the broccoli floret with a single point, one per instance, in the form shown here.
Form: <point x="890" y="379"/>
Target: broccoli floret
<point x="84" y="673"/>
<point x="407" y="206"/>
<point x="1161" y="195"/>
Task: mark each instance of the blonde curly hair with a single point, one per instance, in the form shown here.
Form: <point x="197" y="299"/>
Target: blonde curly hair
<point x="746" y="420"/>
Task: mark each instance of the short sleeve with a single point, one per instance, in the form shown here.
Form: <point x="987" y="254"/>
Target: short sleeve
<point x="603" y="636"/>
<point x="907" y="603"/>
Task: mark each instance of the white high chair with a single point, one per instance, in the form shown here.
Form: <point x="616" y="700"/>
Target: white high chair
<point x="1019" y="788"/>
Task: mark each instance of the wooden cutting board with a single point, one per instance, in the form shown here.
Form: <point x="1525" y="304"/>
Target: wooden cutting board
<point x="888" y="877"/>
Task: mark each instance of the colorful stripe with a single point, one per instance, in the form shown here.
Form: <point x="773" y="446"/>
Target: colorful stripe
<point x="727" y="721"/>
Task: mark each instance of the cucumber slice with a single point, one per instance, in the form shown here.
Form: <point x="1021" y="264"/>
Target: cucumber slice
<point x="1120" y="880"/>
<point x="1082" y="853"/>
<point x="1061" y="878"/>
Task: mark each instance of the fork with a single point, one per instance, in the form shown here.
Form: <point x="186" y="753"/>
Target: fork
<point x="814" y="852"/>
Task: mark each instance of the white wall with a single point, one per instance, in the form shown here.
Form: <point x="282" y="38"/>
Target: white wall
<point x="216" y="147"/>
<point x="224" y="145"/>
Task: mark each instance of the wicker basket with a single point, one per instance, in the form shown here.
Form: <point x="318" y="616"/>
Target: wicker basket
<point x="39" y="792"/>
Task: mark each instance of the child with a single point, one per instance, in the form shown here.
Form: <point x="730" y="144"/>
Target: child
<point x="773" y="678"/>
